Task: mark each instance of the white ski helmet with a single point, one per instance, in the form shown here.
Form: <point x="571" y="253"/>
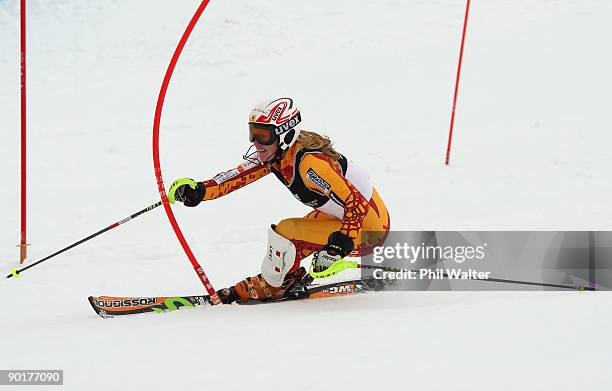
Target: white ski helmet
<point x="280" y="116"/>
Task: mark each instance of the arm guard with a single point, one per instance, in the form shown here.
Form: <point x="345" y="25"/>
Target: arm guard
<point x="228" y="181"/>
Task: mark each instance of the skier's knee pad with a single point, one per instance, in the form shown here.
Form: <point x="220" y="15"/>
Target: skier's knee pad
<point x="279" y="259"/>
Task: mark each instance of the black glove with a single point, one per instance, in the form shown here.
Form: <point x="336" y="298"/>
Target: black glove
<point x="338" y="246"/>
<point x="189" y="196"/>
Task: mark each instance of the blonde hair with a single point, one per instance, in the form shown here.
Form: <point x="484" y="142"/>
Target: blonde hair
<point x="312" y="140"/>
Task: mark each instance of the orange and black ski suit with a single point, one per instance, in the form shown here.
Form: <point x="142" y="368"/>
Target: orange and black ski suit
<point x="340" y="192"/>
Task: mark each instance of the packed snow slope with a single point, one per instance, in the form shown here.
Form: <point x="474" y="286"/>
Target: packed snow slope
<point x="531" y="151"/>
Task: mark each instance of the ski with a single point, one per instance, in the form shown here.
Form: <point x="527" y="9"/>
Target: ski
<point x="111" y="306"/>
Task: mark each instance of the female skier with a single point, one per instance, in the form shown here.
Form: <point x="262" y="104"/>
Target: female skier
<point x="344" y="201"/>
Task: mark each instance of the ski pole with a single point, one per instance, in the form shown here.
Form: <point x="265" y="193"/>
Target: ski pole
<point x="505" y="281"/>
<point x="16" y="272"/>
<point x="343" y="264"/>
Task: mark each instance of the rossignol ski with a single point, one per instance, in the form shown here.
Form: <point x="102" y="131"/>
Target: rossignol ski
<point x="110" y="306"/>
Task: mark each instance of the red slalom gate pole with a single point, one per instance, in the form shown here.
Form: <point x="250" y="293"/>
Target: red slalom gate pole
<point x="156" y="161"/>
<point x="23" y="246"/>
<point x="450" y="133"/>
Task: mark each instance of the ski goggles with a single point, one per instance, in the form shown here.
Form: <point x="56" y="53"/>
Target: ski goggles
<point x="263" y="134"/>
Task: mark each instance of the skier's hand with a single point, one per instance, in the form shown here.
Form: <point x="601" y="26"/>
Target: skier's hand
<point x="187" y="191"/>
<point x="338" y="246"/>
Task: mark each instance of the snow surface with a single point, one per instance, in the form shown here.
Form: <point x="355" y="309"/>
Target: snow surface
<point x="531" y="151"/>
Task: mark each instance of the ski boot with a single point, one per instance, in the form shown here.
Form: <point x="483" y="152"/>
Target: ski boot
<point x="256" y="288"/>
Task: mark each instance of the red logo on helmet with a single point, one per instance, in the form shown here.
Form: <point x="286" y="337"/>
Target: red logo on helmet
<point x="277" y="114"/>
